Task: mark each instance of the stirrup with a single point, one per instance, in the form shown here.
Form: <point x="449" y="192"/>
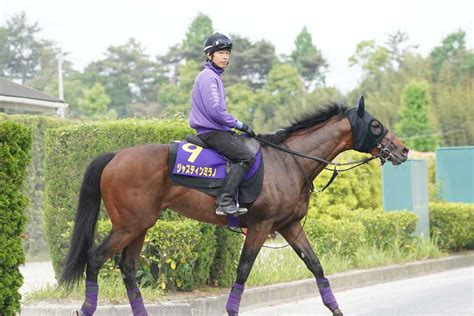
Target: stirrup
<point x="235" y="211"/>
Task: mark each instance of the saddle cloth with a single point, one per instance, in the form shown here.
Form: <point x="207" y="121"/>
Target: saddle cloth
<point x="204" y="169"/>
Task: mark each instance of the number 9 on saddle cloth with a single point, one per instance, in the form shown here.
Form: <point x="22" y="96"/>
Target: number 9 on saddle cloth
<point x="193" y="164"/>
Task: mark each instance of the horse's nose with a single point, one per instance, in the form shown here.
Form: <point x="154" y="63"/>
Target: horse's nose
<point x="405" y="152"/>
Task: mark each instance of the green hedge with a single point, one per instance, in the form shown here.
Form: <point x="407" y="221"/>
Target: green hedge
<point x="224" y="266"/>
<point x="360" y="187"/>
<point x="452" y="225"/>
<point x="35" y="241"/>
<point x="15" y="144"/>
<point x="339" y="229"/>
<point x="330" y="235"/>
<point x="68" y="152"/>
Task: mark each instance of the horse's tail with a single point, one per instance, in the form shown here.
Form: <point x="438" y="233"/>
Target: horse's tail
<point x="86" y="220"/>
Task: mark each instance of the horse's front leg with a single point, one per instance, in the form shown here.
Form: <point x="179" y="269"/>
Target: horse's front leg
<point x="256" y="236"/>
<point x="296" y="237"/>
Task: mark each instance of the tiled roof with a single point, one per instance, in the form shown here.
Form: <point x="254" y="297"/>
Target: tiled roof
<point x="10" y="89"/>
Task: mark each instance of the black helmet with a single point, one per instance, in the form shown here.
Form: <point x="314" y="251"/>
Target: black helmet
<point x="217" y="42"/>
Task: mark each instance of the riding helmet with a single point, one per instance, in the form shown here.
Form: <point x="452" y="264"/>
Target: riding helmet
<point x="217" y="42"/>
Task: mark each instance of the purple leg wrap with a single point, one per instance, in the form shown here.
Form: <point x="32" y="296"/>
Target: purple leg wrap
<point x="136" y="302"/>
<point x="233" y="302"/>
<point x="90" y="303"/>
<point x="233" y="221"/>
<point x="326" y="294"/>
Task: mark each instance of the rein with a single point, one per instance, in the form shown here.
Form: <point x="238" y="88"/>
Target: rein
<point x="386" y="150"/>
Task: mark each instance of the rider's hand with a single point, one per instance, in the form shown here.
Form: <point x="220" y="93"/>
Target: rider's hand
<point x="247" y="129"/>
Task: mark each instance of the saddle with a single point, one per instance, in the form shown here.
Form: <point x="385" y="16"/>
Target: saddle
<point x="193" y="164"/>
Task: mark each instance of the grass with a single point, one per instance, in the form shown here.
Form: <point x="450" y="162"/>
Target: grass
<point x="272" y="266"/>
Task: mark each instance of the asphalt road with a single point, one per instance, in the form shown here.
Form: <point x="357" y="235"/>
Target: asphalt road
<point x="447" y="293"/>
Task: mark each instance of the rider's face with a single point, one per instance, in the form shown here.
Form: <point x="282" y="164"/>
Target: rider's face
<point x="221" y="58"/>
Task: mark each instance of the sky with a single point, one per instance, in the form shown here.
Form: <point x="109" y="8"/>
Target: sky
<point x="85" y="28"/>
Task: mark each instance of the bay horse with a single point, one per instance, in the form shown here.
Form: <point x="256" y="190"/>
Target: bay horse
<point x="135" y="186"/>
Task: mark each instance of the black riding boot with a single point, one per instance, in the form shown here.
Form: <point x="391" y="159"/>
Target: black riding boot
<point x="226" y="204"/>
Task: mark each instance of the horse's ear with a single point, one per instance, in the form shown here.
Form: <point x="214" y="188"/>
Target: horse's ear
<point x="361" y="106"/>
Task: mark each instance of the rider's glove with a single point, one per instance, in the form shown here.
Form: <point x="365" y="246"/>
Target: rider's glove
<point x="245" y="128"/>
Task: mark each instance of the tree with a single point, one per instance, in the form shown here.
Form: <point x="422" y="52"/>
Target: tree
<point x="191" y="48"/>
<point x="94" y="102"/>
<point x="452" y="49"/>
<point x="127" y="74"/>
<point x="308" y="59"/>
<point x="176" y="98"/>
<point x="415" y="125"/>
<point x="193" y="44"/>
<point x="20" y="49"/>
<point x="281" y="99"/>
<point x="250" y="62"/>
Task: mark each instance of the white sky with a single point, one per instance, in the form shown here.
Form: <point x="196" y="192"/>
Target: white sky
<point x="85" y="28"/>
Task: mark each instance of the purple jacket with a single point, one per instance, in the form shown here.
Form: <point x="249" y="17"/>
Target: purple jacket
<point x="208" y="107"/>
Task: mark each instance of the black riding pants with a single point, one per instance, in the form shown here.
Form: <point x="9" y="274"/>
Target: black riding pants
<point x="229" y="145"/>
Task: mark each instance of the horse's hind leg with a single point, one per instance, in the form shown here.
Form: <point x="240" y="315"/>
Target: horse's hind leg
<point x="96" y="256"/>
<point x="128" y="266"/>
<point x="296" y="237"/>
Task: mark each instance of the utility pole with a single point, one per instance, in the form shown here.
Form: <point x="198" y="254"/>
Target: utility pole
<point x="60" y="75"/>
<point x="61" y="112"/>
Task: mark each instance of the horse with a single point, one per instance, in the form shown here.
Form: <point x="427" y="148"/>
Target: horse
<point x="135" y="185"/>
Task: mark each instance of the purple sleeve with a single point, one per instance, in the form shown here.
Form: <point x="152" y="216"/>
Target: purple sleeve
<point x="214" y="102"/>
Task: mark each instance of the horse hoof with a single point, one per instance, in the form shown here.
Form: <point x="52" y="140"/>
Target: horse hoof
<point x="337" y="312"/>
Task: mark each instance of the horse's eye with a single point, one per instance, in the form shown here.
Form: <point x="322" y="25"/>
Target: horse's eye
<point x="375" y="127"/>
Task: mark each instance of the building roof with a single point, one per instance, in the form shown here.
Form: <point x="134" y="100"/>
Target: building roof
<point x="11" y="89"/>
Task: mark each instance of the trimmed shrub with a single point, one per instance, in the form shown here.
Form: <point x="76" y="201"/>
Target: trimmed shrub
<point x="35" y="241"/>
<point x="15" y="144"/>
<point x="206" y="249"/>
<point x="384" y="229"/>
<point x="169" y="254"/>
<point x="452" y="225"/>
<point x="334" y="228"/>
<point x="224" y="266"/>
<point x="329" y="235"/>
<point x="360" y="187"/>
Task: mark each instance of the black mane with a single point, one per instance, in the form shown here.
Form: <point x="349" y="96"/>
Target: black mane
<point x="308" y="120"/>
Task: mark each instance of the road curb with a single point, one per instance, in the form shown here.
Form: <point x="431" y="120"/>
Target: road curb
<point x="272" y="294"/>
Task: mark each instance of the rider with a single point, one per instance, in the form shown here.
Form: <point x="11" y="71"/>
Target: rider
<point x="209" y="117"/>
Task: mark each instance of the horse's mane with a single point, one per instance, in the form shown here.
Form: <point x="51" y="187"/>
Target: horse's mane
<point x="321" y="115"/>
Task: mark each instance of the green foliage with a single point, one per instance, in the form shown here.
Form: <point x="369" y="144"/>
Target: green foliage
<point x="250" y="62"/>
<point x="169" y="254"/>
<point x="452" y="225"/>
<point x="359" y="188"/>
<point x="127" y="74"/>
<point x="193" y="43"/>
<point x="415" y="123"/>
<point x="95" y="101"/>
<point x="308" y="59"/>
<point x="205" y="250"/>
<point x="329" y="235"/>
<point x="384" y="229"/>
<point x="15" y="143"/>
<point x="224" y="266"/>
<point x="175" y="97"/>
<point x="21" y="51"/>
<point x="34" y="242"/>
<point x="342" y="230"/>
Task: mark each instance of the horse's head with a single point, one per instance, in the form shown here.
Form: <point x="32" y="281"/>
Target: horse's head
<point x="370" y="136"/>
